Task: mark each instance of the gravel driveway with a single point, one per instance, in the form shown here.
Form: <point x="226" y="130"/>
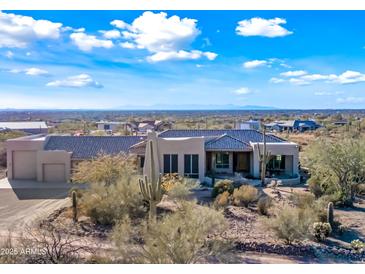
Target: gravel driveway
<point x="22" y="202"/>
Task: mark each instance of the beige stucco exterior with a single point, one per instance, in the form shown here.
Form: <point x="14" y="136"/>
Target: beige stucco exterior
<point x="182" y="146"/>
<point x="34" y="166"/>
<point x="27" y="158"/>
<point x="290" y="150"/>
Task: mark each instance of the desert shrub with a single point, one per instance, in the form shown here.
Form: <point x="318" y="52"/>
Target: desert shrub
<point x="105" y="169"/>
<point x="182" y="190"/>
<point x="222" y="186"/>
<point x="302" y="200"/>
<point x="315" y="187"/>
<point x="107" y="204"/>
<point x="113" y="191"/>
<point x="263" y="205"/>
<point x="222" y="200"/>
<point x="168" y="181"/>
<point x="320" y="231"/>
<point x="245" y="195"/>
<point x="177" y="187"/>
<point x="180" y="237"/>
<point x="291" y="224"/>
<point x="358" y="246"/>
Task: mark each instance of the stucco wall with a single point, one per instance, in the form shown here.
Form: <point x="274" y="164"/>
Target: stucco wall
<point x="21" y="144"/>
<point x="53" y="157"/>
<point x="288" y="149"/>
<point x="182" y="146"/>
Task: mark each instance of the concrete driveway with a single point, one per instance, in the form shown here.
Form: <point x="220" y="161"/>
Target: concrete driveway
<point x="23" y="202"/>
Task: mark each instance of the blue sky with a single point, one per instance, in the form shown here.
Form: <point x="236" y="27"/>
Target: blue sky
<point x="111" y="59"/>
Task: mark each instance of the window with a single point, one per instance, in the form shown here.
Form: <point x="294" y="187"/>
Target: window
<point x="170" y="163"/>
<point x="277" y="162"/>
<point x="106" y="127"/>
<point x="191" y="165"/>
<point x="141" y="162"/>
<point x="222" y="160"/>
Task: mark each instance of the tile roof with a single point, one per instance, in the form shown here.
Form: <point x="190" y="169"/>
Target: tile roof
<point x="243" y="135"/>
<point x="227" y="143"/>
<point x="87" y="147"/>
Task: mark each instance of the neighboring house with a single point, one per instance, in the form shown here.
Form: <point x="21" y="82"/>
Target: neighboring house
<point x="250" y="124"/>
<point x="115" y="126"/>
<point x="293" y="125"/>
<point x="134" y="127"/>
<point x="340" y="123"/>
<point x="26" y="126"/>
<point x="191" y="153"/>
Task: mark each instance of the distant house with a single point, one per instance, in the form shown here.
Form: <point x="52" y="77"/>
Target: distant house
<point x="250" y="124"/>
<point x="28" y="127"/>
<point x="134" y="127"/>
<point x="115" y="126"/>
<point x="340" y="123"/>
<point x="293" y="125"/>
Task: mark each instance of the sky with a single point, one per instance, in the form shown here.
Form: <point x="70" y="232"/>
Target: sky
<point x="182" y="59"/>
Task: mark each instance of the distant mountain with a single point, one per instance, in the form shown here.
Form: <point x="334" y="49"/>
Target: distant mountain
<point x="195" y="107"/>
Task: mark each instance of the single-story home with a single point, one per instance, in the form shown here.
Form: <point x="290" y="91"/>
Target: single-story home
<point x="293" y="125"/>
<point x="191" y="153"/>
<point x="134" y="127"/>
<point x="28" y="127"/>
<point x="250" y="124"/>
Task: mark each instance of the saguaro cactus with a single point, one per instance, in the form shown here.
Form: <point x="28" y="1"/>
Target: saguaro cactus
<point x="150" y="186"/>
<point x="74" y="206"/>
<point x="330" y="218"/>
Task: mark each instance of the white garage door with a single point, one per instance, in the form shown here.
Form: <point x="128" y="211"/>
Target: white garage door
<point x="54" y="173"/>
<point x="25" y="165"/>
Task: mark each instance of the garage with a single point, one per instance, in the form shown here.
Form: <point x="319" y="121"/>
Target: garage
<point x="54" y="173"/>
<point x="24" y="165"/>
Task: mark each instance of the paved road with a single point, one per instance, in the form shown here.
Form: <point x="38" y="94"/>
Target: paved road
<point x="23" y="202"/>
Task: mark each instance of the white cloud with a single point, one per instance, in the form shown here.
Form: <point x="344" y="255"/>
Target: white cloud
<point x="180" y="55"/>
<point x="119" y="24"/>
<point x="262" y="27"/>
<point x="301" y="77"/>
<point x="9" y="54"/>
<point x="167" y="38"/>
<point x="254" y="64"/>
<point x="87" y="42"/>
<point x="275" y="80"/>
<point x="243" y="91"/>
<point x="323" y="93"/>
<point x="111" y="34"/>
<point x="351" y="100"/>
<point x="350" y="77"/>
<point x="31" y="71"/>
<point x="127" y="45"/>
<point x="293" y="73"/>
<point x="77" y="81"/>
<point x="298" y="82"/>
<point x="17" y="31"/>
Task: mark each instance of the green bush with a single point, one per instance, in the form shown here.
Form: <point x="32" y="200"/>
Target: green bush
<point x="358" y="245"/>
<point x="320" y="231"/>
<point x="263" y="205"/>
<point x="222" y="186"/>
<point x="245" y="195"/>
<point x="291" y="224"/>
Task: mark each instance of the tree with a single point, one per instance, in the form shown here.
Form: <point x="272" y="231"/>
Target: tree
<point x="337" y="166"/>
